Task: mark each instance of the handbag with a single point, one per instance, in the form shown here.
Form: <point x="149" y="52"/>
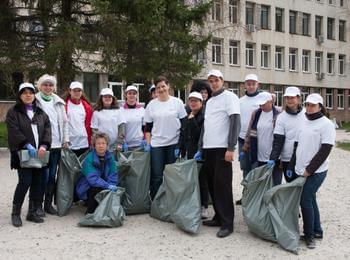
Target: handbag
<point x="33" y="162"/>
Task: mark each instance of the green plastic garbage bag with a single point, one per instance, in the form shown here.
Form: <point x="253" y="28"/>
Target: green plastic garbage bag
<point x="178" y="198"/>
<point x="134" y="172"/>
<point x="283" y="205"/>
<point x="109" y="212"/>
<point x="68" y="174"/>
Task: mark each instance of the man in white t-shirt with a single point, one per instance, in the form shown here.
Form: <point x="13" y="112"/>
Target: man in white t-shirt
<point x="218" y="141"/>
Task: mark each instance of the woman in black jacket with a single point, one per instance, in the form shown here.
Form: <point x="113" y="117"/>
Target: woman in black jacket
<point x="29" y="129"/>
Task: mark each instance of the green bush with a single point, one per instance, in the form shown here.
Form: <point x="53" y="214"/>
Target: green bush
<point x="3" y="135"/>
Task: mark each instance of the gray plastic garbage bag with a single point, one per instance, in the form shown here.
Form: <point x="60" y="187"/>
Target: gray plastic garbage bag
<point x="134" y="169"/>
<point x="283" y="205"/>
<point x="68" y="174"/>
<point x="178" y="198"/>
<point x="109" y="212"/>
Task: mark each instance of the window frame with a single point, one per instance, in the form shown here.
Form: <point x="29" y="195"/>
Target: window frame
<point x="233" y="49"/>
<point x="277" y="55"/>
<point x="215" y="47"/>
<point x="252" y="52"/>
<point x="295" y="55"/>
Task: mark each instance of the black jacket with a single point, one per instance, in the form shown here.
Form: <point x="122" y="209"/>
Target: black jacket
<point x="190" y="133"/>
<point x="20" y="132"/>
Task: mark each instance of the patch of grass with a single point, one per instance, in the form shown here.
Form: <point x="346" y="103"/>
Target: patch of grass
<point x="344" y="145"/>
<point x="346" y="126"/>
<point x="3" y="135"/>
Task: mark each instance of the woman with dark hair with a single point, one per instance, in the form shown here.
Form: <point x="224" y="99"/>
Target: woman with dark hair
<point x="162" y="117"/>
<point x="79" y="113"/>
<point x="314" y="142"/>
<point x="202" y="87"/>
<point x="107" y="118"/>
<point x="28" y="128"/>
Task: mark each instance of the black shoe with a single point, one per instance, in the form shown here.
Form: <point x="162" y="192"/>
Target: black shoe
<point x="223" y="232"/>
<point x="32" y="216"/>
<point x="16" y="215"/>
<point x="39" y="210"/>
<point x="239" y="202"/>
<point x="316" y="236"/>
<point x="310" y="242"/>
<point x="211" y="223"/>
<point x="50" y="209"/>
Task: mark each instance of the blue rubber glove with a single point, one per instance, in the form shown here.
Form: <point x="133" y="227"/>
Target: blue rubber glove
<point x="147" y="148"/>
<point x="125" y="147"/>
<point x="112" y="187"/>
<point x="270" y="163"/>
<point x="31" y="150"/>
<point x="289" y="173"/>
<point x="177" y="153"/>
<point x="241" y="156"/>
<point x="198" y="156"/>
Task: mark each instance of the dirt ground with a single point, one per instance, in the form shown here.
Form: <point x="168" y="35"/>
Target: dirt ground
<point x="142" y="237"/>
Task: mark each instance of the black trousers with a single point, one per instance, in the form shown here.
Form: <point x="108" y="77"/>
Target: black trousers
<point x="80" y="151"/>
<point x="276" y="173"/>
<point x="91" y="202"/>
<point x="28" y="178"/>
<point x="219" y="177"/>
<point x="288" y="178"/>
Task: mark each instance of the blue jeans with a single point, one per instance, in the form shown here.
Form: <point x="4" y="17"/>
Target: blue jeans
<point x="245" y="163"/>
<point x="160" y="156"/>
<point x="308" y="203"/>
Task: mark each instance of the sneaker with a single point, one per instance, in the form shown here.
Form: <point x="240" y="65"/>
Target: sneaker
<point x="310" y="242"/>
<point x="316" y="236"/>
<point x="204" y="213"/>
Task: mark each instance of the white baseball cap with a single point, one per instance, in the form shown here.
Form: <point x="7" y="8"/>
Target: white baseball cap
<point x="215" y="73"/>
<point x="131" y="87"/>
<point x="153" y="87"/>
<point x="314" y="98"/>
<point x="292" y="92"/>
<point x="106" y="91"/>
<point x="195" y="94"/>
<point x="253" y="77"/>
<point x="26" y="85"/>
<point x="264" y="97"/>
<point x="76" y="84"/>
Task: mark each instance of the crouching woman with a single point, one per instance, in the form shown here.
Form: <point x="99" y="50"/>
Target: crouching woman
<point x="99" y="172"/>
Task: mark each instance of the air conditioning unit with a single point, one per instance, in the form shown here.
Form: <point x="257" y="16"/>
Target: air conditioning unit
<point x="320" y="75"/>
<point x="250" y="27"/>
<point x="201" y="61"/>
<point x="320" y="39"/>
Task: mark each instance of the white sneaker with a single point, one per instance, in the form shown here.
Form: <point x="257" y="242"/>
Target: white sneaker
<point x="204" y="213"/>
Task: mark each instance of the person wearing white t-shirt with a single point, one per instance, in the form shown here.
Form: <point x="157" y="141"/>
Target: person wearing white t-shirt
<point x="163" y="117"/>
<point x="259" y="137"/>
<point x="287" y="126"/>
<point x="134" y="117"/>
<point x="314" y="142"/>
<point x="107" y="118"/>
<point x="79" y="113"/>
<point x="54" y="107"/>
<point x="217" y="143"/>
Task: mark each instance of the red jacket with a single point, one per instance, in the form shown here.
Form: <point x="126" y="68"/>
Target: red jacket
<point x="88" y="116"/>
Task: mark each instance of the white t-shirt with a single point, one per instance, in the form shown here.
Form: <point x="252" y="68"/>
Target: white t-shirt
<point x="48" y="107"/>
<point x="289" y="125"/>
<point x="77" y="131"/>
<point x="134" y="118"/>
<point x="217" y="119"/>
<point x="107" y="121"/>
<point x="264" y="131"/>
<point x="247" y="106"/>
<point x="312" y="134"/>
<point x="165" y="116"/>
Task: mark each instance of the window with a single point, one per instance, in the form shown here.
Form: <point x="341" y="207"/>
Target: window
<point x="234" y="53"/>
<point x="279" y="19"/>
<point x="330" y="63"/>
<point x="306" y="24"/>
<point x="217" y="51"/>
<point x="234" y="87"/>
<point x="318" y="61"/>
<point x="306" y="57"/>
<point x="216" y="13"/>
<point x="292" y="22"/>
<point x="342" y="30"/>
<point x="279" y="61"/>
<point x="91" y="85"/>
<point x="318" y="26"/>
<point x="341" y="68"/>
<point x="330" y="28"/>
<point x="329" y="98"/>
<point x="264" y="87"/>
<point x="341" y="3"/>
<point x="279" y="95"/>
<point x="249" y="13"/>
<point x="200" y="55"/>
<point x="293" y="59"/>
<point x="304" y="92"/>
<point x="340" y="98"/>
<point x="331" y="2"/>
<point x="264" y="17"/>
<point x="265" y="53"/>
<point x="233" y="11"/>
<point x="249" y="55"/>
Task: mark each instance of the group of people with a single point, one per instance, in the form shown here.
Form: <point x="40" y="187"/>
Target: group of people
<point x="295" y="140"/>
